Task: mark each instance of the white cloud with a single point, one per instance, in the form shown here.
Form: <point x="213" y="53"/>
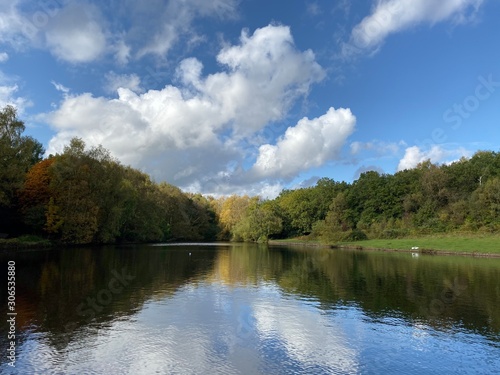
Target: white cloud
<point x="8" y="97"/>
<point x="9" y="94"/>
<point x="71" y="32"/>
<point x="436" y="154"/>
<point x="267" y="74"/>
<point x="78" y="32"/>
<point x="60" y="87"/>
<point x="75" y="35"/>
<point x="3" y="57"/>
<point x="192" y="134"/>
<point x="176" y="20"/>
<point x="308" y="144"/>
<point x="122" y="52"/>
<point x="126" y="81"/>
<point x="15" y="29"/>
<point x="378" y="147"/>
<point x="392" y="16"/>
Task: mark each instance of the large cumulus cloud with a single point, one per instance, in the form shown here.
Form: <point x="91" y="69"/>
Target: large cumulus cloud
<point x="310" y="143"/>
<point x="199" y="133"/>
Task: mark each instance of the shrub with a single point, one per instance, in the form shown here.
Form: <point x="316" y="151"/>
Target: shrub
<point x="356" y="235"/>
<point x="394" y="233"/>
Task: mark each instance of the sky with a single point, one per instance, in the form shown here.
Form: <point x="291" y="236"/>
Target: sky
<point x="250" y="96"/>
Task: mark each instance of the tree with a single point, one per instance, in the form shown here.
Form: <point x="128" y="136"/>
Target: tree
<point x="17" y="154"/>
<point x="300" y="210"/>
<point x="337" y="223"/>
<point x="486" y="204"/>
<point x="71" y="176"/>
<point x="231" y="211"/>
<point x="35" y="195"/>
<point x="105" y="185"/>
<point x="205" y="221"/>
<point x="369" y="198"/>
<point x="144" y="217"/>
<point x="188" y="216"/>
<point x="259" y="222"/>
<point x="87" y="195"/>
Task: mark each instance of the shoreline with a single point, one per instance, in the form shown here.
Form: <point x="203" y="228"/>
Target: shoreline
<point x="13" y="246"/>
<point x="473" y="254"/>
<point x="422" y="251"/>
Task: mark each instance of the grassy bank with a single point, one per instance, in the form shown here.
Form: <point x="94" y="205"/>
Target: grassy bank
<point x="452" y="243"/>
<point x="304" y="240"/>
<point x="24" y="242"/>
<point x="460" y="244"/>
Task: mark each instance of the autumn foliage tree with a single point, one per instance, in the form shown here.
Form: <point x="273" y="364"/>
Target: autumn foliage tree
<point x="230" y="211"/>
<point x="84" y="195"/>
<point x="17" y="154"/>
<point x="35" y="195"/>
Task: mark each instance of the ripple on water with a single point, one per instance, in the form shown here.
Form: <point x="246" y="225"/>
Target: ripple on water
<point x="229" y="311"/>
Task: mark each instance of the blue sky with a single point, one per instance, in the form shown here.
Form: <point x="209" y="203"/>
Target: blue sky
<point x="251" y="96"/>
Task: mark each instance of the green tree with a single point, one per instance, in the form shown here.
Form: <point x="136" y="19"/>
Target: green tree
<point x="259" y="222"/>
<point x="486" y="204"/>
<point x="300" y="210"/>
<point x="370" y="198"/>
<point x="338" y="221"/>
<point x="17" y="154"/>
<point x="71" y="179"/>
<point x="144" y="218"/>
<point x="105" y="186"/>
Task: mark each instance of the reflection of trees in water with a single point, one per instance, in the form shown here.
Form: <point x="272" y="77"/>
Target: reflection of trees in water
<point x="54" y="287"/>
<point x="455" y="290"/>
<point x="246" y="264"/>
<point x="442" y="291"/>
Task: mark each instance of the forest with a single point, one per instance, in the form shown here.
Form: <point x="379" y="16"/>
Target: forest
<point x="85" y="196"/>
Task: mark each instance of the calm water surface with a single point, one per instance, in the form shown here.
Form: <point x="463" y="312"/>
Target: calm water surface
<point x="248" y="309"/>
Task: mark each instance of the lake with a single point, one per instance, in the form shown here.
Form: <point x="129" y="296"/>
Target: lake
<point x="250" y="309"/>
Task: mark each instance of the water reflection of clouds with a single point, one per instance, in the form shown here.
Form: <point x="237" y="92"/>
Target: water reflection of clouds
<point x="307" y="335"/>
<point x="214" y="328"/>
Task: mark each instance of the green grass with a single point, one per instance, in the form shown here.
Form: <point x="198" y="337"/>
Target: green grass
<point x="474" y="243"/>
<point x="302" y="239"/>
<point x="27" y="241"/>
<point x="458" y="242"/>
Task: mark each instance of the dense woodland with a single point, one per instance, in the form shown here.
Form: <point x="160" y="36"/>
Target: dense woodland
<point x="84" y="196"/>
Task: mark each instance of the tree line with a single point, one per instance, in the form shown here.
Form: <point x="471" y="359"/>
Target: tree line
<point x="463" y="196"/>
<point x="84" y="195"/>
